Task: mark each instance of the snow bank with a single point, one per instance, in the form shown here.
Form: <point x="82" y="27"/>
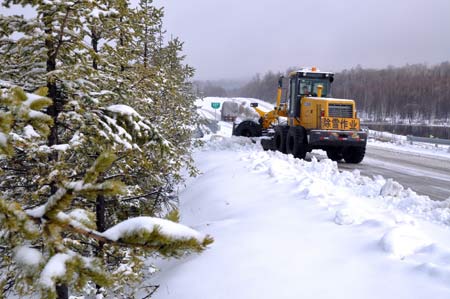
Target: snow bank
<point x="403" y="241"/>
<point x="323" y="180"/>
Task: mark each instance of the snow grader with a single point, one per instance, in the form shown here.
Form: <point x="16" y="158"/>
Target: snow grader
<point x="309" y="119"/>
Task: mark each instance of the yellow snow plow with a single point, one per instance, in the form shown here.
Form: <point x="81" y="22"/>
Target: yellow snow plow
<point x="309" y="119"/>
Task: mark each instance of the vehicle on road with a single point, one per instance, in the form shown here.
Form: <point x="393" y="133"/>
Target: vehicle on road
<point x="309" y="119"/>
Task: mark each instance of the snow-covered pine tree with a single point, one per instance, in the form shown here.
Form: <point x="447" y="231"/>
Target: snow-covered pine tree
<point x="42" y="244"/>
<point x="152" y="91"/>
<point x="85" y="83"/>
<point x="165" y="79"/>
<point x="176" y="99"/>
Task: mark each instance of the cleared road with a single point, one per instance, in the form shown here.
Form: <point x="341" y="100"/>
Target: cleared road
<point x="424" y="174"/>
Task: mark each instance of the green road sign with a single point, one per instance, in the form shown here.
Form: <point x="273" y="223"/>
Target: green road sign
<point x="215" y="105"/>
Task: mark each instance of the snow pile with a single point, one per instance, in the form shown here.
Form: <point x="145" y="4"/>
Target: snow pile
<point x="316" y="180"/>
<point x="391" y="188"/>
<point x="403" y="241"/>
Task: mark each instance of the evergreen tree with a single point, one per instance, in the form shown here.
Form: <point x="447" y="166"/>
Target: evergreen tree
<point x="45" y="244"/>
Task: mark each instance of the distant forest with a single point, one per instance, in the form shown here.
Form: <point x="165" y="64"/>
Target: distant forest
<point x="400" y="94"/>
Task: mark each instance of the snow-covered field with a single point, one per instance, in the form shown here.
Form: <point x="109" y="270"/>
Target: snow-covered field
<point x="288" y="228"/>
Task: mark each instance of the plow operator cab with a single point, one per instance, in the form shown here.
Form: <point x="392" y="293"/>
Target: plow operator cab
<point x="314" y="120"/>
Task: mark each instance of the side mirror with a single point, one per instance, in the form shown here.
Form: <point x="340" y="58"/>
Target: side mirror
<point x="254" y="105"/>
<point x="280" y="82"/>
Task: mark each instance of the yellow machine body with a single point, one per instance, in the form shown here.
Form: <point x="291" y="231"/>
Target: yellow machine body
<point x="315" y="112"/>
<point x="314" y="120"/>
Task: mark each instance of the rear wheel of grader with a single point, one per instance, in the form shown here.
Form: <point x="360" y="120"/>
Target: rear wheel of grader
<point x="335" y="154"/>
<point x="296" y="143"/>
<point x="353" y="154"/>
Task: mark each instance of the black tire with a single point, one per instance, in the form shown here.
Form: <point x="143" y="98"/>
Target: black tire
<point x="268" y="144"/>
<point x="353" y="154"/>
<point x="248" y="128"/>
<point x="296" y="142"/>
<point x="280" y="138"/>
<point x="335" y="154"/>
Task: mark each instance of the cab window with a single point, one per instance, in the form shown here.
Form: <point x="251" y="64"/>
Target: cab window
<point x="309" y="87"/>
<point x="305" y="86"/>
<point x="292" y="97"/>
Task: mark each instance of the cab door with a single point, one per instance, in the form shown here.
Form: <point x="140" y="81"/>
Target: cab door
<point x="307" y="113"/>
<point x="294" y="102"/>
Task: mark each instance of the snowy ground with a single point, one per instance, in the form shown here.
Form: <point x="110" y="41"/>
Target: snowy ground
<point x="288" y="228"/>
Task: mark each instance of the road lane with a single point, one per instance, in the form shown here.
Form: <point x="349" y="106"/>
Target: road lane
<point x="427" y="175"/>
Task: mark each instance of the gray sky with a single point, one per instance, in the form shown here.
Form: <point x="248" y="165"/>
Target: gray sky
<point x="226" y="39"/>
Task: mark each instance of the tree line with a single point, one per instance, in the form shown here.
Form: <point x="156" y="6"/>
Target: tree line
<point x="410" y="93"/>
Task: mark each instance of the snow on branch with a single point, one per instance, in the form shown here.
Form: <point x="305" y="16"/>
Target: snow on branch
<point x="163" y="236"/>
<point x="62" y="198"/>
<point x="27" y="256"/>
<point x="166" y="237"/>
<point x="123" y="110"/>
<point x="27" y="107"/>
<point x="55" y="267"/>
<point x="63" y="267"/>
<point x="15" y="219"/>
<point x="171" y="238"/>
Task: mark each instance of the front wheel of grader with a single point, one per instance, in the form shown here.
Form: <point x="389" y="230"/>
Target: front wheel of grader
<point x="248" y="128"/>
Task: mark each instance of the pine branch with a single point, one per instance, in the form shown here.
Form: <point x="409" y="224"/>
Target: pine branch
<point x="155" y="288"/>
<point x="33" y="186"/>
<point x="100" y="238"/>
<point x="61" y="32"/>
<point x="14" y="169"/>
<point x="9" y="285"/>
<point x="114" y="176"/>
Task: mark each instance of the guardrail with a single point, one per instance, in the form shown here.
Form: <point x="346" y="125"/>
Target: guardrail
<point x="428" y="140"/>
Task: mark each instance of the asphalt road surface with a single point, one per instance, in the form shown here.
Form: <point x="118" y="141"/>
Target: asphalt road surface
<point x="426" y="175"/>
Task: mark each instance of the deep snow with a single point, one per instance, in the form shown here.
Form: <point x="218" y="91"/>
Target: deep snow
<point x="288" y="228"/>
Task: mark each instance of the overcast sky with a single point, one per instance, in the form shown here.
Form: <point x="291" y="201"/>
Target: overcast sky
<point x="227" y="39"/>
